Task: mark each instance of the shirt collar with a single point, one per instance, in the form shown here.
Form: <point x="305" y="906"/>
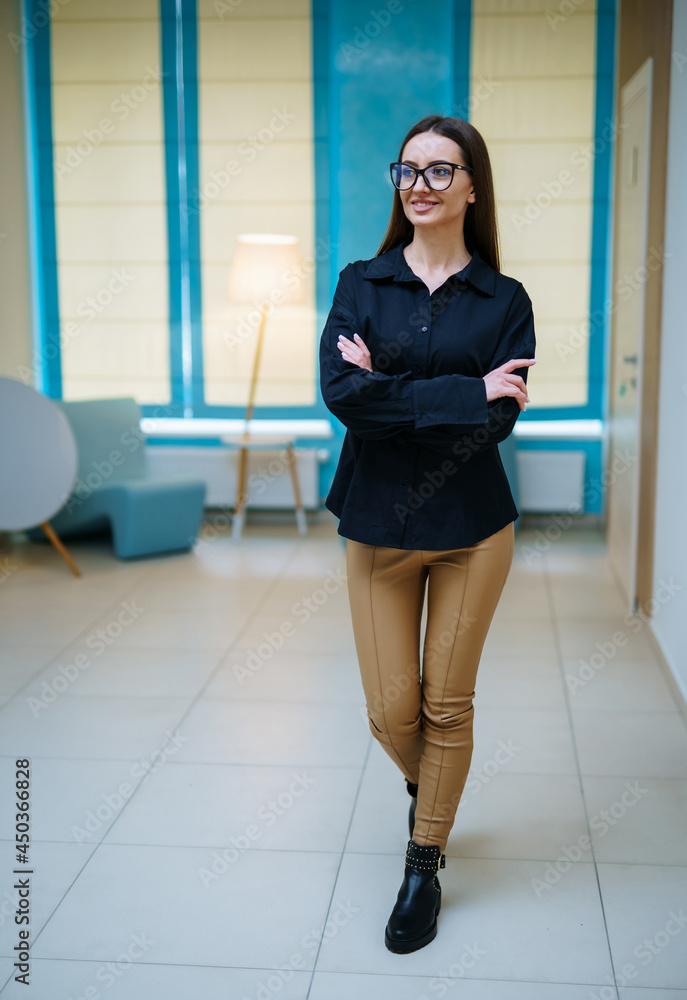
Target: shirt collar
<point x="393" y="264"/>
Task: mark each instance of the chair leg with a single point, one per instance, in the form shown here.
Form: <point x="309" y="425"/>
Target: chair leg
<point x="240" y="504"/>
<point x="50" y="532"/>
<point x="293" y="469"/>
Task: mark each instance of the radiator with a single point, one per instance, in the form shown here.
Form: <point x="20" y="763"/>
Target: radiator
<point x="550" y="481"/>
<point x="269" y="482"/>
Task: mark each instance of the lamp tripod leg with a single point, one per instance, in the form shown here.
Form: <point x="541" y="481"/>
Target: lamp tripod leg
<point x="50" y="532"/>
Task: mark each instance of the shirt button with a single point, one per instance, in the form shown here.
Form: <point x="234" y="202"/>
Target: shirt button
<point x="417" y="369"/>
<point x="424" y="329"/>
<point x="406" y="482"/>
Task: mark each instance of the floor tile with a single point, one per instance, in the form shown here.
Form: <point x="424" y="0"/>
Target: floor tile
<point x="343" y="986"/>
<point x="296" y="633"/>
<point x="225" y="732"/>
<point x="534" y="741"/>
<point x="602" y="640"/>
<point x="597" y="599"/>
<point x="53" y="868"/>
<point x="487" y="905"/>
<point x="196" y="777"/>
<point x="521" y="639"/>
<point x="131" y="673"/>
<point x="627" y="743"/>
<point x="137" y="981"/>
<point x="519" y="683"/>
<point x="169" y="629"/>
<point x="74" y="800"/>
<point x="18" y="664"/>
<point x="640" y="821"/>
<point x="632" y="993"/>
<point x="56" y="625"/>
<point x="287" y="676"/>
<point x="490" y="822"/>
<point x="260" y="912"/>
<point x="618" y="685"/>
<point x="276" y="808"/>
<point x="647" y="925"/>
<point x="114" y="728"/>
<point x="232" y="596"/>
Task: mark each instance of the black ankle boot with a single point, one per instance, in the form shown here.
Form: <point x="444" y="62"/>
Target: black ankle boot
<point x="413" y="920"/>
<point x="412" y="791"/>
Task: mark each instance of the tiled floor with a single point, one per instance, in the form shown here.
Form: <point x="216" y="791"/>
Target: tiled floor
<point x="212" y="819"/>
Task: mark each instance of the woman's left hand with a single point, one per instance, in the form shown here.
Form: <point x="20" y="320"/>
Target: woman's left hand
<point x="355" y="351"/>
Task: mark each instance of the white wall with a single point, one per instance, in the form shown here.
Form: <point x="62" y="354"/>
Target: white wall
<point x="670" y="556"/>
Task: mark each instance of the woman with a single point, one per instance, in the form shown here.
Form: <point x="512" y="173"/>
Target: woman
<point x="424" y="359"/>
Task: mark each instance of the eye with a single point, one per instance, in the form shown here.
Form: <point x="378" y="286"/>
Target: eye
<point x="441" y="172"/>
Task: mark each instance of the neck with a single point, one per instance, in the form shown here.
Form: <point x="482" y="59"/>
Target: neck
<point x="437" y="250"/>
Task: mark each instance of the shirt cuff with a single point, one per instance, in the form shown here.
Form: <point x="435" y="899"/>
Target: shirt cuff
<point x="451" y="399"/>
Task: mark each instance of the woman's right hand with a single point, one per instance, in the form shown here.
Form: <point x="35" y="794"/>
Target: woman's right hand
<point x="501" y="382"/>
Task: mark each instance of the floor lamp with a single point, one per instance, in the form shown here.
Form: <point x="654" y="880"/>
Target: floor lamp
<point x="263" y="273"/>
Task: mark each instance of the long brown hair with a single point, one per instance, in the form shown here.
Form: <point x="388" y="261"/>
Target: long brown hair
<point x="480" y="231"/>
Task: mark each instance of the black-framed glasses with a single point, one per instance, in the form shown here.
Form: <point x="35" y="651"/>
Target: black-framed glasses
<point x="437" y="176"/>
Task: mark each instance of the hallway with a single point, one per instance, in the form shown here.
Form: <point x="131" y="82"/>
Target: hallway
<point x="212" y="818"/>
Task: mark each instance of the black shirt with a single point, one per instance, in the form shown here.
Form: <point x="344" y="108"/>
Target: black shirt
<point x="419" y="466"/>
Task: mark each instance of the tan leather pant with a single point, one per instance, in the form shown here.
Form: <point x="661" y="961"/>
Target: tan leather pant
<point x="423" y="716"/>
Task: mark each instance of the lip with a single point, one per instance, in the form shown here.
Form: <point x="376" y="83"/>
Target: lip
<point x="423" y="206"/>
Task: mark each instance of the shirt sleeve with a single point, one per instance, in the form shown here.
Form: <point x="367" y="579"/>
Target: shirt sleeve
<point x="376" y="405"/>
<point x="517" y="341"/>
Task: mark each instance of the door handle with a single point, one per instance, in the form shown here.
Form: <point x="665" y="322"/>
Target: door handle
<point x="631" y="359"/>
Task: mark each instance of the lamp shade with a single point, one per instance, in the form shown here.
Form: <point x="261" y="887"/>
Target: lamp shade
<point x="266" y="266"/>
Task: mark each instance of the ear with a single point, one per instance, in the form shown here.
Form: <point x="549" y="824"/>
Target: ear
<point x="471" y="196"/>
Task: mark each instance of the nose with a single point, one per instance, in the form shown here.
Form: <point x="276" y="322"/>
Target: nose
<point x="425" y="185"/>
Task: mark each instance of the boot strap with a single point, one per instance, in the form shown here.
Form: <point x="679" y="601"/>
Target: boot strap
<point x="426" y="857"/>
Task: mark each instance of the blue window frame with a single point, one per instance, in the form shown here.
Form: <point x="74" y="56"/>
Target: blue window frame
<point x="333" y="25"/>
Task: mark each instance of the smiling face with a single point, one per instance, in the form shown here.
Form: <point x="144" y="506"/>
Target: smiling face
<point x="425" y="207"/>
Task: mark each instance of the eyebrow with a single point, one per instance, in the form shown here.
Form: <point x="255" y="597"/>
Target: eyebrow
<point x="413" y="163"/>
